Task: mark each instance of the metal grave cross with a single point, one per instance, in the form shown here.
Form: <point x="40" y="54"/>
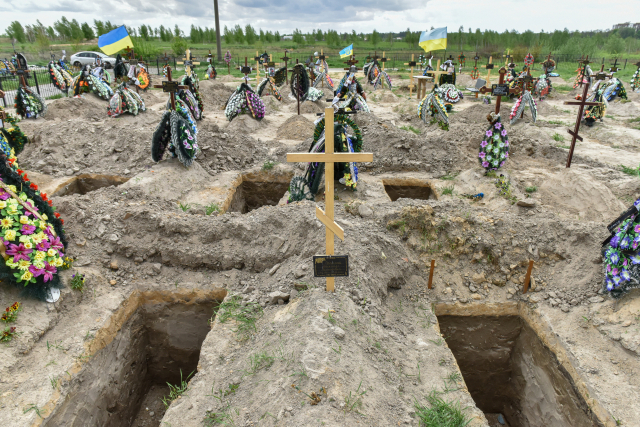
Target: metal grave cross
<point x="475" y="74"/>
<point x="582" y="103"/>
<point x="165" y="59"/>
<point x="499" y="90"/>
<point x="489" y="67"/>
<point x="171" y="87"/>
<point x="412" y="64"/>
<point x="286" y="59"/>
<point x="246" y="70"/>
<point x="188" y="61"/>
<point x="329" y="158"/>
<point x="462" y="59"/>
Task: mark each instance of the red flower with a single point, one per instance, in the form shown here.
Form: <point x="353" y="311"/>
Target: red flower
<point x="44" y="196"/>
<point x="62" y="221"/>
<point x="19" y="171"/>
<point x="33" y="186"/>
<point x="25" y="177"/>
<point x="57" y="214"/>
<point x="50" y="202"/>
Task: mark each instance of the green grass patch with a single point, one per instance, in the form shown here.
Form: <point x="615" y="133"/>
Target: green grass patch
<point x="631" y="171"/>
<point x="555" y="122"/>
<point x="176" y="391"/>
<point x="563" y="88"/>
<point x="213" y="207"/>
<point x="411" y="129"/>
<point x="450" y="176"/>
<point x="268" y="165"/>
<point x="245" y="316"/>
<point x="531" y="189"/>
<point x="557" y="137"/>
<point x="57" y="96"/>
<point x="448" y="190"/>
<point x="440" y="413"/>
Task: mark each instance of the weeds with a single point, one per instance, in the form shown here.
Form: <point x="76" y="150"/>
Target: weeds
<point x="77" y="282"/>
<point x="330" y="318"/>
<point x="221" y="418"/>
<point x="32" y="407"/>
<point x="441" y="413"/>
<point x="448" y="190"/>
<point x="176" y="391"/>
<point x="259" y="361"/>
<point x="8" y="334"/>
<point x="213" y="207"/>
<point x="555" y="122"/>
<point x="268" y="165"/>
<point x="438" y="342"/>
<point x="450" y="176"/>
<point x="531" y="189"/>
<point x="354" y="399"/>
<point x="56" y="96"/>
<point x="557" y="137"/>
<point x="54" y="382"/>
<point x="630" y="171"/>
<point x="504" y="185"/>
<point x="411" y="129"/>
<point x="184" y="207"/>
<point x="56" y="345"/>
<point x="245" y="316"/>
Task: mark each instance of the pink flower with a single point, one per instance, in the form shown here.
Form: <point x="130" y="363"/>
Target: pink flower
<point x="28" y="229"/>
<point x="483" y="144"/>
<point x="48" y="272"/>
<point x="504" y="132"/>
<point x="36" y="271"/>
<point x="19" y="252"/>
<point x="485" y="164"/>
<point x="489" y="133"/>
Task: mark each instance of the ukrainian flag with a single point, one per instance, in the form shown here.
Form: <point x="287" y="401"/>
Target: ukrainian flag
<point x="347" y="51"/>
<point x="433" y="40"/>
<point x="114" y="41"/>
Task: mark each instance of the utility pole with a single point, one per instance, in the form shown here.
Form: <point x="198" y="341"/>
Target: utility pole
<point x="215" y="10"/>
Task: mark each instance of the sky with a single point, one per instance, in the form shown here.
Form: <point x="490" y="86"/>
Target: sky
<point x="342" y="16"/>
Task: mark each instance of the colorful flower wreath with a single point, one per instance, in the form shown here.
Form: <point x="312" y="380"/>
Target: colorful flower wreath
<point x="431" y="105"/>
<point x="124" y="100"/>
<point x="528" y="60"/>
<point x="244" y="101"/>
<point x="29" y="104"/>
<point x="12" y="135"/>
<point x="518" y="108"/>
<point x="494" y="148"/>
<point x="269" y="84"/>
<point x="635" y="81"/>
<point x="621" y="253"/>
<point x="176" y="131"/>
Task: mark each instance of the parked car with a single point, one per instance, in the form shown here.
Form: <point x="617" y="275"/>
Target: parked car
<point x="83" y="58"/>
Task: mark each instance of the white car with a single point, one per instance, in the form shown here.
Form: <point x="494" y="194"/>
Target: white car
<point x="83" y="58"/>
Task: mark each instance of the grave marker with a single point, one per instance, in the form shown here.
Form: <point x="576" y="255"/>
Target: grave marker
<point x="489" y="67"/>
<point x="257" y="59"/>
<point x="286" y="59"/>
<point x="332" y="229"/>
<point x="246" y="70"/>
<point x="433" y="266"/>
<point x="188" y="61"/>
<point x="527" y="279"/>
<point x="614" y="67"/>
<point x="412" y="64"/>
<point x="462" y="60"/>
<point x="499" y="90"/>
<point x="171" y="87"/>
<point x="582" y="103"/>
<point x="475" y="73"/>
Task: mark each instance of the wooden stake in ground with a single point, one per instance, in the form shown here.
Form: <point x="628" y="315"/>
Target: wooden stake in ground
<point x="489" y="67"/>
<point x="582" y="103"/>
<point x="383" y="60"/>
<point x="527" y="278"/>
<point x="506" y="58"/>
<point x="433" y="266"/>
<point x="286" y="59"/>
<point x="246" y="70"/>
<point x="188" y="61"/>
<point x="257" y="59"/>
<point x="474" y="73"/>
<point x="412" y="64"/>
<point x="500" y="89"/>
<point x="329" y="158"/>
<point x="437" y="72"/>
<point x="171" y="87"/>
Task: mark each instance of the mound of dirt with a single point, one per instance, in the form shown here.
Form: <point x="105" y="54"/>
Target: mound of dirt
<point x="297" y="128"/>
<point x="215" y="93"/>
<point x="226" y="78"/>
<point x="89" y="107"/>
<point x="245" y="124"/>
<point x="623" y="109"/>
<point x="271" y="104"/>
<point x="308" y="107"/>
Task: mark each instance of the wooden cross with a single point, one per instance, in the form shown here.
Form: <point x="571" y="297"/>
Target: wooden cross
<point x="583" y="102"/>
<point x="210" y="57"/>
<point x="130" y="52"/>
<point x="246" y="70"/>
<point x="165" y="59"/>
<point x="188" y="61"/>
<point x="462" y="59"/>
<point x="257" y="59"/>
<point x="474" y="73"/>
<point x="450" y="58"/>
<point x="506" y="58"/>
<point x="352" y="63"/>
<point x="332" y="229"/>
<point x="383" y="60"/>
<point x="437" y="73"/>
<point x="489" y="67"/>
<point x="412" y="64"/>
<point x="614" y="68"/>
<point x="22" y="70"/>
<point x="170" y="86"/>
<point x="485" y="89"/>
<point x="322" y="57"/>
<point x="286" y="59"/>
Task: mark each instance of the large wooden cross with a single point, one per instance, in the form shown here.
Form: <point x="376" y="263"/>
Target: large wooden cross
<point x="506" y="58"/>
<point x="323" y="58"/>
<point x="437" y="72"/>
<point x="485" y="89"/>
<point x="246" y="70"/>
<point x="286" y="59"/>
<point x="257" y="59"/>
<point x="165" y="59"/>
<point x="351" y="62"/>
<point x="188" y="61"/>
<point x="412" y="64"/>
<point x="210" y="57"/>
<point x="489" y="67"/>
<point x="171" y="87"/>
<point x="582" y="103"/>
<point x="329" y="158"/>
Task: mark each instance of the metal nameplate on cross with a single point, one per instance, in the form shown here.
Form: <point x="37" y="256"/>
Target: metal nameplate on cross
<point x="332" y="229"/>
<point x="614" y="67"/>
<point x="499" y="90"/>
<point x="171" y="87"/>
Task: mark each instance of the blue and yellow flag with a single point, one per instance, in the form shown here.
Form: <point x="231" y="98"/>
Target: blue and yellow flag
<point x="114" y="41"/>
<point x="435" y="39"/>
<point x="347" y="51"/>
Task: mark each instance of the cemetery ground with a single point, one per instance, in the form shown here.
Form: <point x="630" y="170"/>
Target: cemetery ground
<point x="202" y="278"/>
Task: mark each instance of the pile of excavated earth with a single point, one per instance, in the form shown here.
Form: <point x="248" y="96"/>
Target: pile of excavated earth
<point x="201" y="307"/>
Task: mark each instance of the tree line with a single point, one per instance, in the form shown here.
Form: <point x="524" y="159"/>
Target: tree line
<point x="619" y="41"/>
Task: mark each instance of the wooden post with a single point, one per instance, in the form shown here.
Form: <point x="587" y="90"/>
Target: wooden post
<point x="246" y="70"/>
<point x="257" y="59"/>
<point x="527" y="278"/>
<point x="506" y="58"/>
<point x="329" y="158"/>
<point x="489" y="67"/>
<point x="286" y="59"/>
<point x="433" y="265"/>
<point x="412" y="64"/>
<point x="486" y="89"/>
<point x="166" y="86"/>
<point x="187" y="62"/>
<point x="474" y="73"/>
<point x="583" y="102"/>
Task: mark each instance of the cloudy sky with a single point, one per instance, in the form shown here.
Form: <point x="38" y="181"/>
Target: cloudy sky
<point x="361" y="15"/>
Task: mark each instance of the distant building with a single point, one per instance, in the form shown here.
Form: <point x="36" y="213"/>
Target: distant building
<point x="287" y="37"/>
<point x="623" y="25"/>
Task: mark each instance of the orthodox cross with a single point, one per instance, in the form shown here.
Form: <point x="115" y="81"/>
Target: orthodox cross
<point x="165" y="59"/>
<point x="475" y="74"/>
<point x="332" y="229"/>
<point x="246" y="70"/>
<point x="506" y="58"/>
<point x="257" y="59"/>
<point x="614" y="67"/>
<point x="188" y="61"/>
<point x="352" y="62"/>
<point x="286" y="59"/>
<point x="210" y="57"/>
<point x="22" y="70"/>
<point x="450" y="58"/>
<point x="500" y="89"/>
<point x="462" y="59"/>
<point x="489" y="67"/>
<point x="322" y="57"/>
<point x="171" y="87"/>
<point x="582" y="103"/>
<point x="412" y="64"/>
